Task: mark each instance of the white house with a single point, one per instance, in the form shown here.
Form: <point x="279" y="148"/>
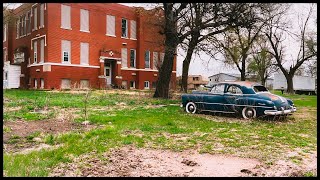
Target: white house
<point x="221" y="77"/>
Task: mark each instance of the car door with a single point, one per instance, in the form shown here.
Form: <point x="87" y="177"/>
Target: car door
<point x="213" y="101"/>
<point x="233" y="92"/>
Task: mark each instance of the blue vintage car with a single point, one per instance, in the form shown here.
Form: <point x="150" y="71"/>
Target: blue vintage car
<point x="246" y="98"/>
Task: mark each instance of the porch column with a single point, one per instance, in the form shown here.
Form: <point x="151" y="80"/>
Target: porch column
<point x="101" y="77"/>
<point x="118" y="78"/>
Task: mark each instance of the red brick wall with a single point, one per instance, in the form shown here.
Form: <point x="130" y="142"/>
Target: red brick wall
<point x="148" y="39"/>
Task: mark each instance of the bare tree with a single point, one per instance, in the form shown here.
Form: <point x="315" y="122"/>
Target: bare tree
<point x="311" y="68"/>
<point x="172" y="12"/>
<point x="307" y="49"/>
<point x="206" y="20"/>
<point x="236" y="43"/>
<point x="261" y="62"/>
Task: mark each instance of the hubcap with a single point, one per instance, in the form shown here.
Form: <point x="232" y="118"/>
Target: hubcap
<point x="249" y="113"/>
<point x="191" y="108"/>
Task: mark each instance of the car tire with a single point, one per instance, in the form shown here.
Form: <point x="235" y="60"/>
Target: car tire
<point x="249" y="113"/>
<point x="191" y="107"/>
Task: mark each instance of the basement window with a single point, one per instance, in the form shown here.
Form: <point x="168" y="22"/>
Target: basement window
<point x="146" y="85"/>
<point x="132" y="84"/>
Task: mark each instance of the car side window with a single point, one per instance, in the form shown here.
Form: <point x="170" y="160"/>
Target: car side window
<point x="218" y="89"/>
<point x="234" y="90"/>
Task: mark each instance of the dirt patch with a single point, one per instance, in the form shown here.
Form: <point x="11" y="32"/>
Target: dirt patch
<point x="286" y="167"/>
<point x="130" y="161"/>
<point x="7" y="109"/>
<point x="20" y="129"/>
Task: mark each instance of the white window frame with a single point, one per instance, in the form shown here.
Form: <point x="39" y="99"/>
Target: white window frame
<point x="133" y="27"/>
<point x="155" y="60"/>
<point x="81" y="54"/>
<point x="68" y="16"/>
<point x="42" y="50"/>
<point x="127" y="34"/>
<point x="114" y="25"/>
<point x="5" y="33"/>
<point x="41" y="83"/>
<point x="35" y="52"/>
<point x="35" y="83"/>
<point x="145" y="59"/>
<point x="148" y="85"/>
<point x="18" y="28"/>
<point x="124" y="58"/>
<point x="135" y="58"/>
<point x="42" y="8"/>
<point x="29" y="25"/>
<point x="35" y="19"/>
<point x="81" y="19"/>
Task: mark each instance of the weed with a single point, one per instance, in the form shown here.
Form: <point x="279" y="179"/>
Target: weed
<point x="50" y="140"/>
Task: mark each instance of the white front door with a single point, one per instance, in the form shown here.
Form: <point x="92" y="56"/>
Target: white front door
<point x="108" y="72"/>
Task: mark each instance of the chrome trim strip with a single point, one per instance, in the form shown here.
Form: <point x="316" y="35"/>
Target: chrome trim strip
<point x="235" y="104"/>
<point x="219" y="111"/>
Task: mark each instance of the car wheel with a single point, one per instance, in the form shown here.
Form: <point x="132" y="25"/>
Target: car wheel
<point x="249" y="113"/>
<point x="191" y="107"/>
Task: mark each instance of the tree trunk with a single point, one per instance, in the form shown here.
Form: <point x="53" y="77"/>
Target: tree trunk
<point x="290" y="89"/>
<point x="243" y="68"/>
<point x="187" y="60"/>
<point x="263" y="81"/>
<point x="185" y="72"/>
<point x="171" y="43"/>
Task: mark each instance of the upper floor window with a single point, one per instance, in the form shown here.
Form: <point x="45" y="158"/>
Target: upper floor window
<point x="41" y="15"/>
<point x="4" y="32"/>
<point x="35" y="18"/>
<point x="124" y="57"/>
<point x="21" y="26"/>
<point x="65" y="17"/>
<point x="147" y="59"/>
<point x="132" y="58"/>
<point x="133" y="30"/>
<point x="66" y="51"/>
<point x="124" y="28"/>
<point x="24" y="25"/>
<point x="28" y="22"/>
<point x="18" y="28"/>
<point x="111" y="25"/>
<point x="84" y="20"/>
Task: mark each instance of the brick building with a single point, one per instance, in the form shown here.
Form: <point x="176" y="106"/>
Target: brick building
<point x="83" y="44"/>
<point x="194" y="81"/>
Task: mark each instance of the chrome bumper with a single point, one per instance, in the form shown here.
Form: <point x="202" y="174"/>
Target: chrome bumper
<point x="275" y="112"/>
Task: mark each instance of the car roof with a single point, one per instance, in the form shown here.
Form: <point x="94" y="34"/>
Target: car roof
<point x="241" y="83"/>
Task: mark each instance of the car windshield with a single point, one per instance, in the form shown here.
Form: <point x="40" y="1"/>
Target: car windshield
<point x="260" y="89"/>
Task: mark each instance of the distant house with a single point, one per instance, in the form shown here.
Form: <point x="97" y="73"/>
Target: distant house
<point x="194" y="81"/>
<point x="220" y="77"/>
